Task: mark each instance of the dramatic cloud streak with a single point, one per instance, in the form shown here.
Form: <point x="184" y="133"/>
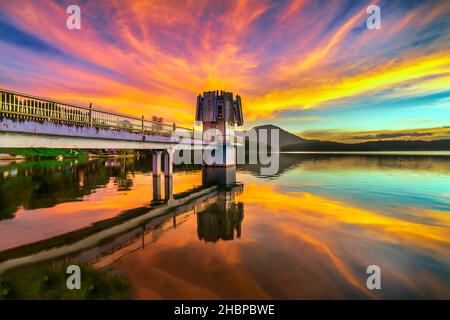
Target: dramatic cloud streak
<point x="305" y="59"/>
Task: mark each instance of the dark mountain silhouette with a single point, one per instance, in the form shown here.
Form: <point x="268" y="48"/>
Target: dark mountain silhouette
<point x="286" y="138"/>
<point x="291" y="142"/>
<point x="397" y="145"/>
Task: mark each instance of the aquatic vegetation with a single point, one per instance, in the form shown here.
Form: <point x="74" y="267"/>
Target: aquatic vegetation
<point x="48" y="281"/>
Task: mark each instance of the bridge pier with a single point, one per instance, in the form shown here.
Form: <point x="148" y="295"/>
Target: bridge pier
<point x="167" y="157"/>
<point x="168" y="162"/>
<point x="156" y="160"/>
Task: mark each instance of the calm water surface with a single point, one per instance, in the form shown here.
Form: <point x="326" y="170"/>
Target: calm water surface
<point x="309" y="232"/>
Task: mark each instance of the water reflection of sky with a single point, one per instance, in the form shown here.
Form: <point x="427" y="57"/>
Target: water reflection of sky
<point x="414" y="256"/>
<point x="375" y="188"/>
<point x="309" y="233"/>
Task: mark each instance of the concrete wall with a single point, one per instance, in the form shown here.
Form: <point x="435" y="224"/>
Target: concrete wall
<point x="32" y="134"/>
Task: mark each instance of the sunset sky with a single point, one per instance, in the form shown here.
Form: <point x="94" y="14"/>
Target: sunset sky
<point x="311" y="67"/>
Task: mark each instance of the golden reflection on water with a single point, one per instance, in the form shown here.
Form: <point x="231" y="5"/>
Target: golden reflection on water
<point x="296" y="245"/>
<point x="343" y="232"/>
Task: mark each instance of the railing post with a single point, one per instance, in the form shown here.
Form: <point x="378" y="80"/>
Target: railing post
<point x="142" y="124"/>
<point x="90" y="114"/>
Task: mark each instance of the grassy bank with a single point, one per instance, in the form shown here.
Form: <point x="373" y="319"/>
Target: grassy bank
<point x="43" y="152"/>
<point x="47" y="153"/>
<point x="48" y="281"/>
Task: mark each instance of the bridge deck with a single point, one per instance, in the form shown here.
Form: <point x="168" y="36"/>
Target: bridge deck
<point x="32" y="122"/>
<point x="33" y="134"/>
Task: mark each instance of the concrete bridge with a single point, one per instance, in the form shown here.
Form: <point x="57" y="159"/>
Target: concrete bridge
<point x="28" y="121"/>
<point x="32" y="122"/>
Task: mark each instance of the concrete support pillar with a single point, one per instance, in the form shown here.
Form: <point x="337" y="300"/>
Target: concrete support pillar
<point x="156" y="188"/>
<point x="168" y="188"/>
<point x="156" y="162"/>
<point x="168" y="162"/>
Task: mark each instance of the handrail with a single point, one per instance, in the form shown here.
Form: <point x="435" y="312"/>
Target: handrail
<point x="24" y="106"/>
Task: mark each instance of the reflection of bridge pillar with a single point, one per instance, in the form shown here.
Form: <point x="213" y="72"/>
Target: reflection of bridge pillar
<point x="156" y="188"/>
<point x="168" y="188"/>
<point x="168" y="162"/>
<point x="156" y="158"/>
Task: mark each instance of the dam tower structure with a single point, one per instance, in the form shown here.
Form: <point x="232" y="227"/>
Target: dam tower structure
<point x="220" y="113"/>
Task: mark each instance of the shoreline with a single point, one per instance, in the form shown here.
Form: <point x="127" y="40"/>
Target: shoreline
<point x="22" y="158"/>
<point x="388" y="153"/>
<point x="8" y="154"/>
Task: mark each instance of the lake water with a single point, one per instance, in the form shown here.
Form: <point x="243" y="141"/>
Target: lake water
<point x="309" y="232"/>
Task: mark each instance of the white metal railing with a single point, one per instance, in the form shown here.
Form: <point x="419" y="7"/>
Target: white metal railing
<point x="27" y="107"/>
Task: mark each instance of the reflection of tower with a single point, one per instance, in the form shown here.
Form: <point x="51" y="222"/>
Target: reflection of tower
<point x="221" y="176"/>
<point x="219" y="114"/>
<point x="222" y="220"/>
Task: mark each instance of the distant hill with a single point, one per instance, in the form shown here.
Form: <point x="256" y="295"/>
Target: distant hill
<point x="286" y="138"/>
<point x="291" y="142"/>
<point x="395" y="145"/>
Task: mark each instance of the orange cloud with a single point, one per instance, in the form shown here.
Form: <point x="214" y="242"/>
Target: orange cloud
<point x="154" y="57"/>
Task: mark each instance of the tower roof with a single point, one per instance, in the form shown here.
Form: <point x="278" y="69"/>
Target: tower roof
<point x="215" y="106"/>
